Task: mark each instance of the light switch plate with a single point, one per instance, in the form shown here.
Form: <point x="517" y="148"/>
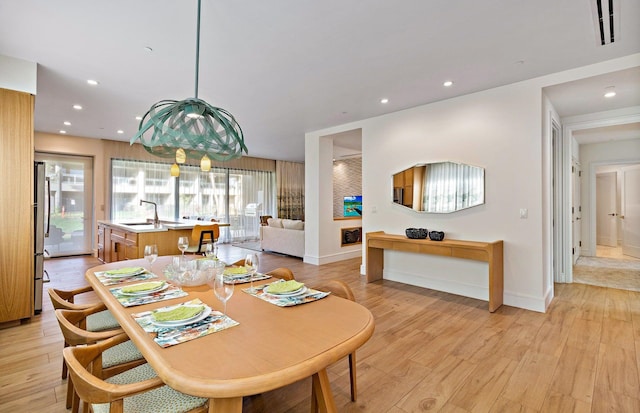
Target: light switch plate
<point x="524" y="213"/>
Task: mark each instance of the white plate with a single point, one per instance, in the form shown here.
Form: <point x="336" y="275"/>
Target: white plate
<point x="147" y="292"/>
<point x="118" y="276"/>
<point x="204" y="314"/>
<point x="299" y="291"/>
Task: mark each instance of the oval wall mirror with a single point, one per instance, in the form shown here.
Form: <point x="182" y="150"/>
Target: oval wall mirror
<point x="439" y="187"/>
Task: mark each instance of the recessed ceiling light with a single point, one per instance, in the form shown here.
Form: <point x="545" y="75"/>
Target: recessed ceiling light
<point x="138" y="117"/>
<point x="384" y="100"/>
<point x="447" y="83"/>
<point x="67" y="123"/>
<point x="92" y="82"/>
<point x="609" y="92"/>
<point x="77" y="107"/>
<point x="120" y="131"/>
<point x="63" y="132"/>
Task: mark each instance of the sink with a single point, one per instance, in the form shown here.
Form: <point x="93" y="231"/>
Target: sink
<point x="130" y="224"/>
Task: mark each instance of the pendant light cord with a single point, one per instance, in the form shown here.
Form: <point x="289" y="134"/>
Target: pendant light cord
<point x="198" y="48"/>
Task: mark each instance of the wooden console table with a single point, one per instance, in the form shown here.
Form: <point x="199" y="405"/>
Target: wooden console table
<point x="490" y="252"/>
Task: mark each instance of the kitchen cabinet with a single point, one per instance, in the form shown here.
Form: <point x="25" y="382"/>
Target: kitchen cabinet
<point x="16" y="206"/>
<point x="116" y="242"/>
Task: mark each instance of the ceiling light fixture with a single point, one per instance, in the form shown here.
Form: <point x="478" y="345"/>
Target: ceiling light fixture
<point x="609" y="92"/>
<point x="120" y="131"/>
<point x="92" y="82"/>
<point x="67" y="123"/>
<point x="77" y="107"/>
<point x="191" y="125"/>
<point x="63" y="132"/>
<point x="384" y="100"/>
<point x="447" y="83"/>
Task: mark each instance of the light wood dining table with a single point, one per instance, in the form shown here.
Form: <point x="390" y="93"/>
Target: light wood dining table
<point x="270" y="348"/>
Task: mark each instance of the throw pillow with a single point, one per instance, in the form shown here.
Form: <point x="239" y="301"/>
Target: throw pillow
<point x="274" y="222"/>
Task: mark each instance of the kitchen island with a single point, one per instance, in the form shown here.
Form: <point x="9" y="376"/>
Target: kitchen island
<point x="122" y="240"/>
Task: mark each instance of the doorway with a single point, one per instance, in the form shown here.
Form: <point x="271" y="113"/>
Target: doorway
<point x="71" y="200"/>
<point x="616" y="195"/>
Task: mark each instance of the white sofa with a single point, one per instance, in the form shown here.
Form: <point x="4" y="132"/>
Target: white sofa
<point x="285" y="236"/>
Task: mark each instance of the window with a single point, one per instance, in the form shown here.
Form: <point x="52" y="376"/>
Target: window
<point x="235" y="196"/>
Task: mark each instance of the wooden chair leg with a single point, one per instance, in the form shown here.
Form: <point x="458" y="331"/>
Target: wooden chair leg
<point x="314" y="401"/>
<point x="64" y="365"/>
<point x="352" y="376"/>
<point x="69" y="393"/>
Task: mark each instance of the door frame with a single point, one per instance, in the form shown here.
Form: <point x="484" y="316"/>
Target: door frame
<point x="590" y="121"/>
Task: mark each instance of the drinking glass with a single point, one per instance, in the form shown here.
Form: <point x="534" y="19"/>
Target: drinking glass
<point x="210" y="251"/>
<point x="151" y="254"/>
<point x="222" y="290"/>
<point x="251" y="264"/>
<point x="183" y="244"/>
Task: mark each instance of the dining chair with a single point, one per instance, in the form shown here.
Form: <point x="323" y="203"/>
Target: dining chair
<point x="137" y="390"/>
<point x="98" y="320"/>
<point x="282" y="273"/>
<point x="202" y="235"/>
<point x="114" y="361"/>
<point x="340" y="289"/>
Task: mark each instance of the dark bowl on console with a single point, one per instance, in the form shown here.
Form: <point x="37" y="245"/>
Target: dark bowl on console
<point x="416" y="233"/>
<point x="436" y="235"/>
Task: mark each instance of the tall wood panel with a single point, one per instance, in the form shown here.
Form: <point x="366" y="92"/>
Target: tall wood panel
<point x="16" y="205"/>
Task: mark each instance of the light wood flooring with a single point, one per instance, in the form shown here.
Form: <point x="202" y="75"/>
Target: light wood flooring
<point x="431" y="351"/>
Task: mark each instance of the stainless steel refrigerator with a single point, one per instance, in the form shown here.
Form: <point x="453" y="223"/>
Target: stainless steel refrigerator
<point x="42" y="216"/>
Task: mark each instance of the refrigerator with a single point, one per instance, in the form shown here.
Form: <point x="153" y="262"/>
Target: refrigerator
<point x="41" y="207"/>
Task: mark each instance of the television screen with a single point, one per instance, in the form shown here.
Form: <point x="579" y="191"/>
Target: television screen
<point x="353" y="206"/>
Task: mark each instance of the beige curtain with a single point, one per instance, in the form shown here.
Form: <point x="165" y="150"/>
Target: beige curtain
<point x="290" y="184"/>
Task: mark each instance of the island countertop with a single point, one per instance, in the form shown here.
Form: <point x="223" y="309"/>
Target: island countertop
<point x="125" y="240"/>
<point x="139" y="226"/>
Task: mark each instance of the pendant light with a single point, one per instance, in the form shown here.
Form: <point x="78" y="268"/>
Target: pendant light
<point x="190" y="128"/>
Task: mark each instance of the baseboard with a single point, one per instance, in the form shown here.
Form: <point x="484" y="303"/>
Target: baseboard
<point x="328" y="259"/>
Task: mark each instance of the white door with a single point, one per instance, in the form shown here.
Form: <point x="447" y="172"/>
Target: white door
<point x="606" y="230"/>
<point x="631" y="212"/>
<point x="576" y="210"/>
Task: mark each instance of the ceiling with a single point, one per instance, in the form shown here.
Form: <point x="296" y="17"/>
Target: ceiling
<point x="283" y="68"/>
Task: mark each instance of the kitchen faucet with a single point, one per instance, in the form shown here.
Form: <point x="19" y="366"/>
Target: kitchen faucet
<point x="156" y="221"/>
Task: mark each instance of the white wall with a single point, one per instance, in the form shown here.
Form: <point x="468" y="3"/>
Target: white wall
<point x="592" y="156"/>
<point x="502" y="130"/>
<point x="18" y="74"/>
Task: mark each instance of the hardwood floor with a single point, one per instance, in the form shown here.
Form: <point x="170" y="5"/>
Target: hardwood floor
<point x="431" y="351"/>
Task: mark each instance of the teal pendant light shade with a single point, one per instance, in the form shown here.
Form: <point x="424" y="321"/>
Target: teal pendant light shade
<point x="192" y="125"/>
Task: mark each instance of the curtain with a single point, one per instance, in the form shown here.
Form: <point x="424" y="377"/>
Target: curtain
<point x="235" y="196"/>
<point x="251" y="194"/>
<point x="450" y="187"/>
<point x="132" y="181"/>
<point x="290" y="184"/>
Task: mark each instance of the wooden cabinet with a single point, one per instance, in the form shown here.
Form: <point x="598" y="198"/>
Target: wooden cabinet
<point x="16" y="206"/>
<point x="117" y="244"/>
<point x="124" y="245"/>
<point x="103" y="238"/>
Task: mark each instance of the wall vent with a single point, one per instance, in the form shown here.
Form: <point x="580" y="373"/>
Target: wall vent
<point x="606" y="18"/>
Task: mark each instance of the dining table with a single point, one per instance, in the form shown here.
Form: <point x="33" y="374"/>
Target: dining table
<point x="270" y="347"/>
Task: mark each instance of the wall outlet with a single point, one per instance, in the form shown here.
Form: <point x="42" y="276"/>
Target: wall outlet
<point x="524" y="213"/>
<point x="374" y="210"/>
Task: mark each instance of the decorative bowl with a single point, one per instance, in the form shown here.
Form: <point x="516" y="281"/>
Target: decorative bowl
<point x="416" y="233"/>
<point x="436" y="235"/>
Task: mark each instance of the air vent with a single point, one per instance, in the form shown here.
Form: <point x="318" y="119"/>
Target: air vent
<point x="606" y="17"/>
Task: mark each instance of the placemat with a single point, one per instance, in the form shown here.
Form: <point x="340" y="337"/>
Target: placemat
<point x="170" y="336"/>
<point x="244" y="278"/>
<point x="310" y="295"/>
<point x="102" y="277"/>
<point x="132" y="300"/>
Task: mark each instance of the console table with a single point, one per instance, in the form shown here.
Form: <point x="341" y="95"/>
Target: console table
<point x="490" y="252"/>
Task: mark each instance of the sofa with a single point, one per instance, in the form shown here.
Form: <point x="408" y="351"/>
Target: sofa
<point x="285" y="236"/>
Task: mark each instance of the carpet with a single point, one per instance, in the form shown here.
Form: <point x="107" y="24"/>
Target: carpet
<point x="250" y="245"/>
<point x="608" y="272"/>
